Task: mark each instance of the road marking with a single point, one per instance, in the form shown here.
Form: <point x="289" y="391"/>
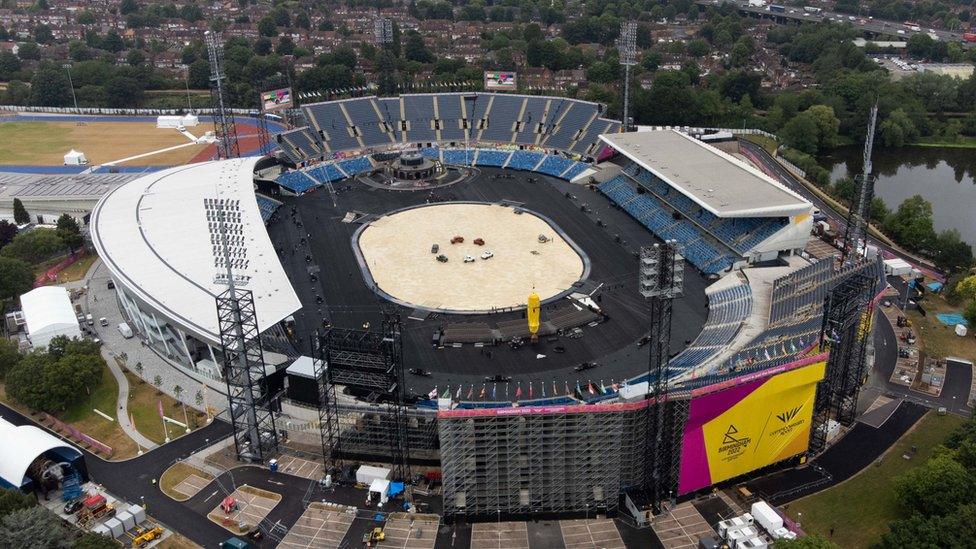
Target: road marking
<point x="211" y="495"/>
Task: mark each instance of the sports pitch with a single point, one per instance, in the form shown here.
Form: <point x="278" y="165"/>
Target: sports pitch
<point x="45" y="143"/>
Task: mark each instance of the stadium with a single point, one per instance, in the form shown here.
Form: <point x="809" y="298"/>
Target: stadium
<point x="446" y="211"/>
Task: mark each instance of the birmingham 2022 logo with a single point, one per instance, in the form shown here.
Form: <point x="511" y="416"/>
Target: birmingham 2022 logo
<point x="734" y="443"/>
<point x="788" y="421"/>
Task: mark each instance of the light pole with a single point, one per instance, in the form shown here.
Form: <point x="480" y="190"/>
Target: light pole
<point x="67" y="69"/>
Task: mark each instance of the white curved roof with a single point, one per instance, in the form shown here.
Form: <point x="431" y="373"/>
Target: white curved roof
<point x="21" y="445"/>
<point x="153" y="235"/>
<point x="48" y="313"/>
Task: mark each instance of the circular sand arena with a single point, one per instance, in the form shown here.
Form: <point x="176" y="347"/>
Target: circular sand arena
<point x="395" y="254"/>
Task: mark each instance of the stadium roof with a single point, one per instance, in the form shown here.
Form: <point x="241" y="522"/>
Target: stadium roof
<point x="153" y="235"/>
<point x="38" y="186"/>
<point x="21" y="446"/>
<point x="48" y="313"/>
<point x="718" y="182"/>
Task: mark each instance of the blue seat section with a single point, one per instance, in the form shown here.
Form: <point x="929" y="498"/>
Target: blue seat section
<point x="501" y="119"/>
<point x="356" y="165"/>
<point x="328" y="118"/>
<point x="418" y="111"/>
<point x="535" y="114"/>
<point x="488" y="157"/>
<point x="363" y="115"/>
<point x="324" y="173"/>
<point x="267" y="206"/>
<point x="525" y="160"/>
<point x="649" y="211"/>
<point x="299" y="144"/>
<point x="431" y="152"/>
<point x="576" y="169"/>
<point x="458" y="157"/>
<point x="296" y="182"/>
<point x="590" y="136"/>
<point x="555" y="165"/>
<point x="575" y="120"/>
<point x="727" y="311"/>
<point x="449" y="110"/>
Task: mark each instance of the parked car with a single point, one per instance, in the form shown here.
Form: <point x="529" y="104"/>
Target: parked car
<point x="73" y="506"/>
<point x="468" y="259"/>
<point x="583" y="366"/>
<point x="487" y="254"/>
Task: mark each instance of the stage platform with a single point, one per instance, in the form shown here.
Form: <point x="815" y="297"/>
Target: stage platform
<point x="326" y="274"/>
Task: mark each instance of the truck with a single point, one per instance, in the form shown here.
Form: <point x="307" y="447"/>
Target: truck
<point x="146" y="535"/>
<point x="766" y="516"/>
<point x="776" y="8"/>
<point x="812" y="9"/>
<point x="125" y="330"/>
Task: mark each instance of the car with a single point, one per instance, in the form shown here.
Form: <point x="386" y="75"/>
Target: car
<point x="73" y="506"/>
<point x="886" y="303"/>
<point x="583" y="366"/>
<point x="419" y="372"/>
<point x="498" y="378"/>
<point x="487" y="254"/>
<point x="442" y="258"/>
<point x="643" y="341"/>
<point x="103" y="321"/>
<point x="435" y="248"/>
<point x="468" y="259"/>
<point x="559" y="349"/>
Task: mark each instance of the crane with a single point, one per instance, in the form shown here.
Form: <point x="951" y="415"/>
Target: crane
<point x="860" y="209"/>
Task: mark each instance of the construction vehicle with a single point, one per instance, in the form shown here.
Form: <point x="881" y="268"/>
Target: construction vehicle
<point x="145" y="535"/>
<point x="93" y="508"/>
<point x="373" y="537"/>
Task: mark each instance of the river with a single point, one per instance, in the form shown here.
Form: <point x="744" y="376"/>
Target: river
<point x="945" y="177"/>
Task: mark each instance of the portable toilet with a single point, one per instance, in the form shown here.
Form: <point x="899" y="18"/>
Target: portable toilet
<point x="273" y="465"/>
<point x="115" y="527"/>
<point x="138" y="514"/>
<point x="101" y="530"/>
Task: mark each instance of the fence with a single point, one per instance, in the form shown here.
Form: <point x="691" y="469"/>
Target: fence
<point x="77" y="435"/>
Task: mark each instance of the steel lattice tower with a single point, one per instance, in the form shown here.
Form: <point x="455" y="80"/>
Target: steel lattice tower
<point x="627" y="47"/>
<point x="224" y="127"/>
<point x="250" y="404"/>
<point x="857" y="216"/>
<point x="845" y="331"/>
<point x="661" y="278"/>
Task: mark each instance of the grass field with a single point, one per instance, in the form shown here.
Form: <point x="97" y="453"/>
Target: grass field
<point x="44" y="143"/>
<point x="143" y="404"/>
<point x="939" y="340"/>
<point x="75" y="271"/>
<point x="860" y="509"/>
<point x="176" y="474"/>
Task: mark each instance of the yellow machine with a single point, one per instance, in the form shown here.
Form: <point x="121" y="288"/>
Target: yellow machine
<point x="375" y="536"/>
<point x="533" y="314"/>
<point x="147" y="536"/>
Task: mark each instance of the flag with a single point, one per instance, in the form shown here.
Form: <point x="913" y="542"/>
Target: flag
<point x="530" y="389"/>
<point x="471" y="391"/>
<point x="578" y="388"/>
<point x="568" y="392"/>
<point x="447" y="392"/>
<point x="590" y="388"/>
<point x="482" y="394"/>
<point x="457" y="396"/>
<point x="493" y="388"/>
<point x="554" y="391"/>
<point x="603" y="388"/>
<point x="433" y="393"/>
<point x="160" y="403"/>
<point x="518" y="391"/>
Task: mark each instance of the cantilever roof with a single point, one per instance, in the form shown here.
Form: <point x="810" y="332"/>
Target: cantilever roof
<point x="153" y="234"/>
<point x="719" y="182"/>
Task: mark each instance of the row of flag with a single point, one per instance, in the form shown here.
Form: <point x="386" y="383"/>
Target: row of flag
<point x="529" y="392"/>
<point x="373" y="87"/>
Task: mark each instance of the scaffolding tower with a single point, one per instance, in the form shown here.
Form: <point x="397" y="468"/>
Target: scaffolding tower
<point x="372" y="362"/>
<point x="250" y="404"/>
<point x="857" y="216"/>
<point x="224" y="128"/>
<point x="661" y="278"/>
<point x="627" y="47"/>
<point x="845" y="330"/>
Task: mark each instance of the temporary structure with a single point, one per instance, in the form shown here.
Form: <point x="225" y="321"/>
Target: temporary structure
<point x="75" y="158"/>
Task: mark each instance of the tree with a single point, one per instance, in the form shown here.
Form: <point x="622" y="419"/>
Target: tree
<point x="935" y="488"/>
<point x="33" y="246"/>
<point x="951" y="253"/>
<point x="285" y="46"/>
<point x="698" y="48"/>
<point x="33" y="528"/>
<point x="7" y="232"/>
<point x="897" y="129"/>
<point x="21" y="216"/>
<point x="9" y="64"/>
<point x="15" y="500"/>
<point x="43" y="34"/>
<point x="91" y="540"/>
<point x="158" y="382"/>
<point x="267" y="27"/>
<point x="177" y="391"/>
<point x="800" y="133"/>
<point x="69" y="232"/>
<point x="416" y="50"/>
<point x="128" y="6"/>
<point x="198" y="398"/>
<point x="85" y="17"/>
<point x="112" y="42"/>
<point x="16" y="278"/>
<point x="123" y="91"/>
<point x="29" y="50"/>
<point x="49" y="87"/>
<point x="135" y="58"/>
<point x="910" y="225"/>
<point x="139" y="369"/>
<point x="814" y="541"/>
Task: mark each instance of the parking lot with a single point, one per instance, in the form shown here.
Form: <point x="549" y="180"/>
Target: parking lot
<point x="404" y="530"/>
<point x="253" y="504"/>
<point x="191" y="485"/>
<point x="321" y="525"/>
<point x="300" y="467"/>
<point x="591" y="533"/>
<point x="681" y="527"/>
<point x="499" y="535"/>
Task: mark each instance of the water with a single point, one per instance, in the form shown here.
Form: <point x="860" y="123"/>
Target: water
<point x="944" y="177"/>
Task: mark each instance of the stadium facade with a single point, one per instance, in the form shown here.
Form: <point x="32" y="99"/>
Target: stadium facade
<point x="754" y="360"/>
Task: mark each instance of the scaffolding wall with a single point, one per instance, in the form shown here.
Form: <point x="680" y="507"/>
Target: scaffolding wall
<point x="529" y="461"/>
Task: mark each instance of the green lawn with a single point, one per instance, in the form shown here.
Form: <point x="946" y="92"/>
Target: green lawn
<point x="103" y="397"/>
<point x="860" y="509"/>
<point x="961" y="143"/>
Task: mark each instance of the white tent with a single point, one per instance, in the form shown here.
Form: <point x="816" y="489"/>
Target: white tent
<point x="48" y="313"/>
<point x="75" y="158"/>
<point x="21" y="446"/>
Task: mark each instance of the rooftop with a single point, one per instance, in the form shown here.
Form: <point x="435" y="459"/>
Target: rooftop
<point x="718" y="182"/>
<point x="153" y="235"/>
<point x="22" y="185"/>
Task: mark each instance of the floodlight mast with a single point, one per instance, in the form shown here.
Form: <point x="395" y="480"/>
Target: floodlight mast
<point x="627" y="47"/>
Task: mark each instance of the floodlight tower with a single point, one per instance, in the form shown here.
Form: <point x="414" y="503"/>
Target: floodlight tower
<point x="627" y="46"/>
<point x="857" y="216"/>
<point x="250" y="403"/>
<point x="660" y="280"/>
<point x="383" y="30"/>
<point x="224" y="127"/>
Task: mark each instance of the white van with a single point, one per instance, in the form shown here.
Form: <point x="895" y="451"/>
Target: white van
<point x="125" y="330"/>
